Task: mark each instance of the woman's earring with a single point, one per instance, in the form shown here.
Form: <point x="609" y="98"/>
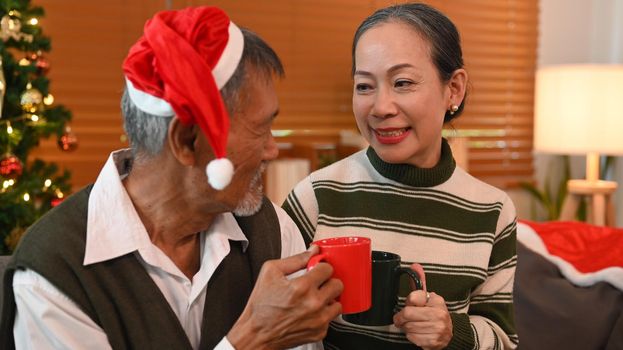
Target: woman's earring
<point x="453" y="109"/>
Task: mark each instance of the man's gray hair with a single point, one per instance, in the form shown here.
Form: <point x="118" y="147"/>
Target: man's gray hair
<point x="147" y="132"/>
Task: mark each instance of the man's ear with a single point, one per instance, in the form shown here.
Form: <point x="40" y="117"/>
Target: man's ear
<point x="181" y="140"/>
<point x="457" y="85"/>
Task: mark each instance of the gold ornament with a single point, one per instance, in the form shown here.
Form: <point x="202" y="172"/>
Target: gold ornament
<point x="31" y="100"/>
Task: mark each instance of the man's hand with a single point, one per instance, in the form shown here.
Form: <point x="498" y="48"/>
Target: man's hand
<point x="425" y="319"/>
<point x="283" y="313"/>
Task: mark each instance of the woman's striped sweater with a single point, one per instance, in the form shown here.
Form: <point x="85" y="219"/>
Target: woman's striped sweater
<point x="461" y="230"/>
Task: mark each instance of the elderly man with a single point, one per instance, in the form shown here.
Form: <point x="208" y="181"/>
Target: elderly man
<point x="157" y="254"/>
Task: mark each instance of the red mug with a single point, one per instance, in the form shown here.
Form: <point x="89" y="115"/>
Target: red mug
<point x="351" y="260"/>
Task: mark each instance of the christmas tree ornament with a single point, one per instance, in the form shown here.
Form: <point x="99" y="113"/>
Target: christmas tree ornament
<point x="10" y="166"/>
<point x="43" y="65"/>
<point x="28" y="188"/>
<point x="31" y="100"/>
<point x="56" y="201"/>
<point x="11" y="28"/>
<point x="68" y="141"/>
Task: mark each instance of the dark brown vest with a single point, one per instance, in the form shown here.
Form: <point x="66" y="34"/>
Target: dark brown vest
<point x="120" y="296"/>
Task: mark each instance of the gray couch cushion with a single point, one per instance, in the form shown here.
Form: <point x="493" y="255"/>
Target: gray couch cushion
<point x="552" y="313"/>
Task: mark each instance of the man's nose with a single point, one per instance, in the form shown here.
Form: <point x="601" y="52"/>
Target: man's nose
<point x="271" y="151"/>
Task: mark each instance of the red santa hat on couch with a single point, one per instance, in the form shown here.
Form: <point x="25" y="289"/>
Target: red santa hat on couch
<point x="178" y="67"/>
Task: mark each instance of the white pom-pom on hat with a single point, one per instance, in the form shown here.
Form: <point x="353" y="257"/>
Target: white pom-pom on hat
<point x="220" y="171"/>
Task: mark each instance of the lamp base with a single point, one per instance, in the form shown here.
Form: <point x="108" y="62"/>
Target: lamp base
<point x="601" y="208"/>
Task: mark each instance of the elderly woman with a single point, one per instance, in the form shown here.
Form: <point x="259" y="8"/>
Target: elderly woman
<point x="406" y="193"/>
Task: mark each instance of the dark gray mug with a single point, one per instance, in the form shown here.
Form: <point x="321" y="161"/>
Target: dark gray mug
<point x="386" y="272"/>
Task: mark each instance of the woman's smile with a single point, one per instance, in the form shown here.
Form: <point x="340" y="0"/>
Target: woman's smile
<point x="391" y="135"/>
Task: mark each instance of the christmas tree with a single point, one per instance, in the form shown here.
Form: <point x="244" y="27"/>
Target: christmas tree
<point x="28" y="188"/>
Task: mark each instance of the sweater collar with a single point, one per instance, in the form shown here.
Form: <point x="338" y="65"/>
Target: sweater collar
<point x="413" y="176"/>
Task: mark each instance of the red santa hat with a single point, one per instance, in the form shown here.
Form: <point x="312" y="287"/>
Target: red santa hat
<point x="178" y="67"/>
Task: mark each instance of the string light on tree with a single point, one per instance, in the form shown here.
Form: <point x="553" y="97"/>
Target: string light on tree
<point x="48" y="100"/>
<point x="59" y="198"/>
<point x="6" y="184"/>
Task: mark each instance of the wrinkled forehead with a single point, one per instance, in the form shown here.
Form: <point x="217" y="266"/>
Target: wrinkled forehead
<point x="393" y="43"/>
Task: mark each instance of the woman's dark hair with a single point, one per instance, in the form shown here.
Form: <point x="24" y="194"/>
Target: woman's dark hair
<point x="434" y="26"/>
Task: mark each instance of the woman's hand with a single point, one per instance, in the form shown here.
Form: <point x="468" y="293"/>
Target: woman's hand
<point x="425" y="318"/>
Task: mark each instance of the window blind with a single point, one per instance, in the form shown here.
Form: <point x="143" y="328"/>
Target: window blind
<point x="313" y="38"/>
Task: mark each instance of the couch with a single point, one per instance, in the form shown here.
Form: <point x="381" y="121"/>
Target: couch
<point x="551" y="312"/>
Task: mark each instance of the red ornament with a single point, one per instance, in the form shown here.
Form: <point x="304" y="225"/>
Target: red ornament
<point x="10" y="166"/>
<point x="43" y="65"/>
<point x="56" y="201"/>
<point x="68" y="141"/>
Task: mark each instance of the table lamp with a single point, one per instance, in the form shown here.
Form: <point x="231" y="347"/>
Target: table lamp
<point x="579" y="111"/>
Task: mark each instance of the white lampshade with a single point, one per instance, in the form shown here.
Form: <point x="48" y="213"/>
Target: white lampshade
<point x="579" y="109"/>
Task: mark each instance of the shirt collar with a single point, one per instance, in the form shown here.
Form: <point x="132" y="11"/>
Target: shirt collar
<point x="113" y="225"/>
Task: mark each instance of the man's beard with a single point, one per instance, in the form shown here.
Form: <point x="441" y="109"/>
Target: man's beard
<point x="252" y="200"/>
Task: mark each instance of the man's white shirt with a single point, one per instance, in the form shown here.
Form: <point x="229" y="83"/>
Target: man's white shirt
<point x="47" y="319"/>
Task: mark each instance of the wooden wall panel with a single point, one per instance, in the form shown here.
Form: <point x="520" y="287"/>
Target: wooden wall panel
<point x="89" y="42"/>
<point x="313" y="38"/>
